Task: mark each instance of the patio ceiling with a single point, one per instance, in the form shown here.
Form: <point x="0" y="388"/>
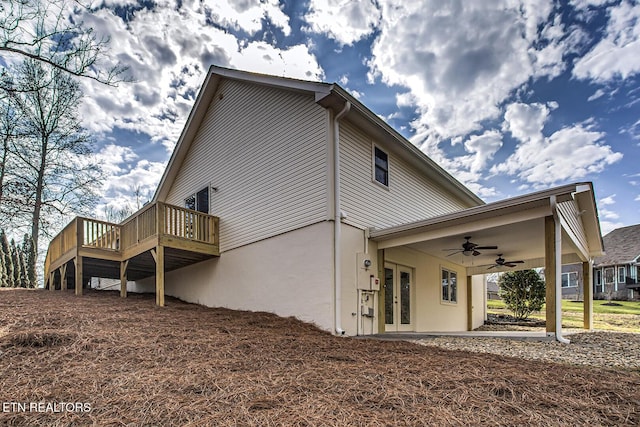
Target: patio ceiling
<point x="516" y="226"/>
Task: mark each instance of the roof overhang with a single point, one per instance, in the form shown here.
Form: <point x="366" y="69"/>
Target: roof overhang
<point x="516" y="226"/>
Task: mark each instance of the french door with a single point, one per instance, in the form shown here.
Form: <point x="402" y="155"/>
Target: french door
<point x="398" y="287"/>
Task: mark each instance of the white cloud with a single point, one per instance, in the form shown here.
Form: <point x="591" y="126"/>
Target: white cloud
<point x="608" y="226"/>
<point x="597" y="94"/>
<point x="344" y="21"/>
<point x="570" y="153"/>
<point x="113" y="158"/>
<point x="607" y="201"/>
<point x="248" y="14"/>
<point x="606" y="213"/>
<point x="169" y="50"/>
<point x="483" y="147"/>
<point x="618" y="53"/>
<point x="461" y="60"/>
<point x="637" y="199"/>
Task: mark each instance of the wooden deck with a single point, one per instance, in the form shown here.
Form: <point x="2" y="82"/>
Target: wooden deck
<point x="158" y="238"/>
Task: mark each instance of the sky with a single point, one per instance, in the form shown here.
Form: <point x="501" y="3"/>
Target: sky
<point x="508" y="96"/>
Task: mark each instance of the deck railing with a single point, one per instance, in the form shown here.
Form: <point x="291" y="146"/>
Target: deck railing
<point x="154" y="220"/>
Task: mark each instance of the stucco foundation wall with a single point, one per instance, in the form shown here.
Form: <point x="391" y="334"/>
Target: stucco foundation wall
<point x="432" y="315"/>
<point x="289" y="275"/>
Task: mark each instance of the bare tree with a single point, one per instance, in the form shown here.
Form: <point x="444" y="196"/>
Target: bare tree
<point x="48" y="31"/>
<point x="9" y="120"/>
<point x="56" y="173"/>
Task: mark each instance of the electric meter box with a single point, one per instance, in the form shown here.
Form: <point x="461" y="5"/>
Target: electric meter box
<point x="365" y="272"/>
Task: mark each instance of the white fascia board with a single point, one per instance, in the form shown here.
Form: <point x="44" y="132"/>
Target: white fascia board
<point x="500" y="207"/>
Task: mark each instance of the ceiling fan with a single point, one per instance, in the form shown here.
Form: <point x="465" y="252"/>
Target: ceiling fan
<point x="501" y="262"/>
<point x="469" y="248"/>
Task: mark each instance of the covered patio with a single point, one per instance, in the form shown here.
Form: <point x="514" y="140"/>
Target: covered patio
<point x="546" y="229"/>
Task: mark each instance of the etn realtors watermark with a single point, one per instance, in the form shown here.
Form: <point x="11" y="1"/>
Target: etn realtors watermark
<point x="45" y="407"/>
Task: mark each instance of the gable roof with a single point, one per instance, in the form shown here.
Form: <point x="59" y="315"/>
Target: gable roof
<point x="328" y="95"/>
<point x="622" y="246"/>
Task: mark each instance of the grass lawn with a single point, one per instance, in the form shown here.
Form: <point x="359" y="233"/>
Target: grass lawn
<point x="128" y="362"/>
<point x="622" y="318"/>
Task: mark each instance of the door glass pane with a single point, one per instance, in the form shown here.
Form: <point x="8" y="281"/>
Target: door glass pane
<point x="203" y="200"/>
<point x="405" y="298"/>
<point x="388" y="296"/>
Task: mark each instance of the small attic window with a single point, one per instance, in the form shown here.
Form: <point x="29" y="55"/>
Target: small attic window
<point x="380" y="166"/>
<point x="199" y="201"/>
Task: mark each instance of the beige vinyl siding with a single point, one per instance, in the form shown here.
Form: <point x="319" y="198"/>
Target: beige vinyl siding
<point x="411" y="195"/>
<point x="265" y="150"/>
<point x="569" y="212"/>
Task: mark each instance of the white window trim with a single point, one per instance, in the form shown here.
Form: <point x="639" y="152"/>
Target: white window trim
<point x="442" y="300"/>
<point x="568" y="274"/>
<point x="373" y="166"/>
<point x="624" y="274"/>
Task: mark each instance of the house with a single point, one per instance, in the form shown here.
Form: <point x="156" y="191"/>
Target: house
<point x="617" y="273"/>
<point x="326" y="213"/>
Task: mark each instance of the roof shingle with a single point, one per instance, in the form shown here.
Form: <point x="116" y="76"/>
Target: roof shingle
<point x="621" y="246"/>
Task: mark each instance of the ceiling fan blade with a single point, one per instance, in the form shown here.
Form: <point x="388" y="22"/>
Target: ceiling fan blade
<point x="475" y="253"/>
<point x="453" y="253"/>
<point x="493" y="266"/>
<point x="514" y="262"/>
<point x="486" y="247"/>
<point x="508" y="264"/>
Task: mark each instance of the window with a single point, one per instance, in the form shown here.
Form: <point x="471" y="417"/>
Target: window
<point x="609" y="275"/>
<point x="598" y="280"/>
<point x="622" y="275"/>
<point x="570" y="280"/>
<point x="199" y="201"/>
<point x="449" y="286"/>
<point x="380" y="166"/>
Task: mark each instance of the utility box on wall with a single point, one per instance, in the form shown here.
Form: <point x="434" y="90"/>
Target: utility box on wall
<point x="366" y="273"/>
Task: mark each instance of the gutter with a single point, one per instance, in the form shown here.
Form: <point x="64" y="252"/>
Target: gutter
<point x="558" y="257"/>
<point x="337" y="219"/>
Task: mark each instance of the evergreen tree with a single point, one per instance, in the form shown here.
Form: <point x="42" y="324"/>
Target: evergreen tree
<point x="2" y="269"/>
<point x="7" y="274"/>
<point x="29" y="253"/>
<point x="15" y="261"/>
<point x="24" y="275"/>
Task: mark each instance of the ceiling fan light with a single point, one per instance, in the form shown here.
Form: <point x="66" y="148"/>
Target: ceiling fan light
<point x="467" y="253"/>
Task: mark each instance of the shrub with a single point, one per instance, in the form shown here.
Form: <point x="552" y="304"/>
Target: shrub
<point x="522" y="291"/>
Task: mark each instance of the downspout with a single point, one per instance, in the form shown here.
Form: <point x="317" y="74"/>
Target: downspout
<point x="558" y="256"/>
<point x="337" y="217"/>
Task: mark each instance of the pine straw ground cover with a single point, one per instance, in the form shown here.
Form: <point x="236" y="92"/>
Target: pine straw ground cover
<point x="136" y="364"/>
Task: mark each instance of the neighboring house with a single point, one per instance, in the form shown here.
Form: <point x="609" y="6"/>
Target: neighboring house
<point x="572" y="282"/>
<point x="326" y="213"/>
<point x="616" y="273"/>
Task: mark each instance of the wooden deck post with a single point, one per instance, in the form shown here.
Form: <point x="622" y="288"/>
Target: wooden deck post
<point x="52" y="280"/>
<point x="469" y="303"/>
<point x="63" y="277"/>
<point x="123" y="278"/>
<point x="587" y="298"/>
<point x="78" y="263"/>
<point x="550" y="272"/>
<point x="158" y="255"/>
